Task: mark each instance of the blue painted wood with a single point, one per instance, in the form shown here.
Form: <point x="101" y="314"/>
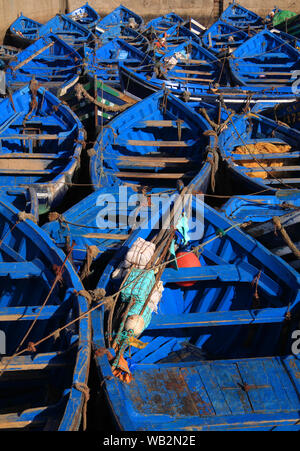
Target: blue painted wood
<point x="127" y="147"/>
<point x="222" y="36"/>
<point x="61" y="362"/>
<point x="22" y="32"/>
<point x="240" y="17"/>
<point x="47" y="159"/>
<point x="49" y="60"/>
<point x="85" y="15"/>
<point x="211" y="359"/>
<point x="164" y="22"/>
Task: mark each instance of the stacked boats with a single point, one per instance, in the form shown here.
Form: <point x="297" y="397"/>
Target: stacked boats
<point x="161" y="161"/>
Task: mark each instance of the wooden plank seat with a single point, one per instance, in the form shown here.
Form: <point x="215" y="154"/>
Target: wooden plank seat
<point x="269" y="80"/>
<point x="224" y="273"/>
<point x="219" y="319"/>
<point x="34" y="137"/>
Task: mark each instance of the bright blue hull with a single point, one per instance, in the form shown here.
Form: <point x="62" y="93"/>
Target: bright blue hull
<point x="240" y="17"/>
<point x="208" y="358"/>
<point x="265" y="61"/>
<point x="120" y="15"/>
<point x="50" y="61"/>
<point x="22" y="32"/>
<point x="167" y="148"/>
<point x="41" y="388"/>
<point x="222" y="37"/>
<point x="261" y="155"/>
<point x="104" y="61"/>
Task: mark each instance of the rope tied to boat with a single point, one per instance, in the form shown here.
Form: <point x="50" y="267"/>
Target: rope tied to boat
<point x="84" y="389"/>
<point x="279" y="227"/>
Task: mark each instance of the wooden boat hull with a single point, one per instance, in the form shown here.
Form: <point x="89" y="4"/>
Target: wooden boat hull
<point x="260" y="154"/>
<point x="139" y="87"/>
<point x="85" y="16"/>
<point x="154" y="158"/>
<point x="94" y="115"/>
<point x="41" y="388"/>
<point x="193" y="340"/>
<point x="24" y="199"/>
<point x="258" y="213"/>
<point x="264" y="61"/>
<point x="22" y="32"/>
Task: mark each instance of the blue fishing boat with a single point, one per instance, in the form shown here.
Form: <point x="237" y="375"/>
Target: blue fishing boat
<point x="22" y="32"/>
<point x="85" y="15"/>
<point x="104" y="61"/>
<point x="187" y="67"/>
<point x="41" y="141"/>
<point x="96" y="103"/>
<point x="201" y="347"/>
<point x="261" y="154"/>
<point x="24" y="199"/>
<point x="8" y="52"/>
<point x="241" y="17"/>
<point x="120" y="15"/>
<point x="50" y="61"/>
<point x="44" y="366"/>
<point x="222" y="37"/>
<point x="265" y="60"/>
<point x="163" y="23"/>
<point x="273" y="220"/>
<point x="69" y="31"/>
<point x="157" y="143"/>
<point x="131" y="36"/>
<point x="84" y="223"/>
<point x="292" y="40"/>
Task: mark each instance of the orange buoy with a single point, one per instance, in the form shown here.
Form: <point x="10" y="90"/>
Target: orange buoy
<point x="187" y="260"/>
